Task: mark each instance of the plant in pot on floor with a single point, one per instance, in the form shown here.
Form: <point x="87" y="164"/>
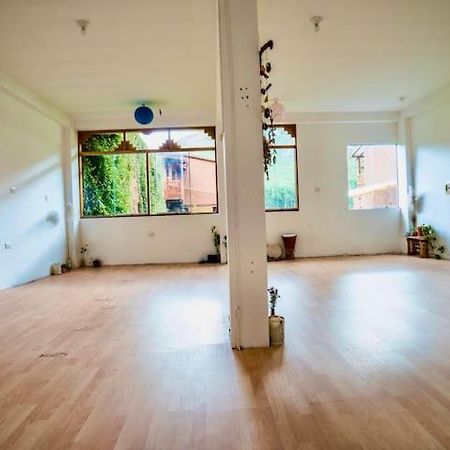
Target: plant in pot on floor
<point x="429" y="233"/>
<point x="83" y="251"/>
<point x="215" y="258"/>
<point x="276" y="323"/>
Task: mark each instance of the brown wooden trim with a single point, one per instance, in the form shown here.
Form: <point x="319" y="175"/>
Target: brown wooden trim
<point x="134" y="152"/>
<point x="148" y="129"/>
<point x="126" y="146"/>
<point x="297" y="165"/>
<point x="290" y="129"/>
<point x="284" y="210"/>
<point x="211" y="132"/>
<point x="282" y="146"/>
<point x="80" y="184"/>
<point x="147" y="171"/>
<point x="152" y="215"/>
<point x="82" y="138"/>
<point x="83" y="135"/>
<point x="170" y="146"/>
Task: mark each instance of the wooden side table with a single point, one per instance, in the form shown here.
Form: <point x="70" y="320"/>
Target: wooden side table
<point x="417" y="245"/>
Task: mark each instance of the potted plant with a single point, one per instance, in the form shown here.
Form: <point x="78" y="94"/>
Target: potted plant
<point x="429" y="233"/>
<point x="215" y="258"/>
<point x="276" y="323"/>
<point x="83" y="251"/>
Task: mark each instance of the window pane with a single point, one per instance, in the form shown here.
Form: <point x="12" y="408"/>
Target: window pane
<point x="100" y="142"/>
<point x="147" y="139"/>
<point x="283" y="135"/>
<point x="182" y="182"/>
<point x="114" y="185"/>
<point x="372" y="176"/>
<point x="281" y="187"/>
<point x="195" y="138"/>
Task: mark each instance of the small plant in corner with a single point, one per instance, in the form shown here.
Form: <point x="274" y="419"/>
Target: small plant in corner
<point x="273" y="299"/>
<point x="216" y="239"/>
<point x="216" y="242"/>
<point x="429" y="233"/>
<point x="83" y="251"/>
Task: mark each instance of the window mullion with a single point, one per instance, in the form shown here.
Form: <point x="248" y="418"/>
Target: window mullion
<point x="148" y="183"/>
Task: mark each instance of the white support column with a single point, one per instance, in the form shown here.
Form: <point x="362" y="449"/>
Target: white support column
<point x="240" y="120"/>
<point x="71" y="193"/>
<point x="220" y="156"/>
<point x="406" y="178"/>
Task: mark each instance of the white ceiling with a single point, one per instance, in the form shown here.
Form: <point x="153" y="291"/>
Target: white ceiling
<point x="367" y="54"/>
<point x="133" y="50"/>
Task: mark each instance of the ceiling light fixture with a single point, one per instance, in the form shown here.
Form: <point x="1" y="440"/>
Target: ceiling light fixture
<point x="83" y="24"/>
<point x="316" y="21"/>
<point x="143" y="114"/>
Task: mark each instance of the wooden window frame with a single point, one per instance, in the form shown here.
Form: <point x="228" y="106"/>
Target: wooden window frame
<point x="210" y="130"/>
<point x="292" y="130"/>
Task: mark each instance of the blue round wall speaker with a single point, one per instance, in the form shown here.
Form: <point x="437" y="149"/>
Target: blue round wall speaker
<point x="143" y="115"/>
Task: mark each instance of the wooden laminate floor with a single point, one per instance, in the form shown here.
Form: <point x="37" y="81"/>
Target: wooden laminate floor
<point x="138" y="357"/>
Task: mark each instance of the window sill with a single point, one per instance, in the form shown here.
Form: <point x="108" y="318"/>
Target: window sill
<point x="282" y="210"/>
<point x="148" y="215"/>
<point x="375" y="209"/>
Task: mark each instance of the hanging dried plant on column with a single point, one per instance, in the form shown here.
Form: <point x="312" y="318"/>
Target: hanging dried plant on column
<point x="267" y="114"/>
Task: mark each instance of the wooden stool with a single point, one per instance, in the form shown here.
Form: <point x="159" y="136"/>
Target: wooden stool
<point x="417" y="245"/>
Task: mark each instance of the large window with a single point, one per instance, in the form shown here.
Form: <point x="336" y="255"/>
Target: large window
<point x="372" y="176"/>
<point x="281" y="188"/>
<point x="148" y="172"/>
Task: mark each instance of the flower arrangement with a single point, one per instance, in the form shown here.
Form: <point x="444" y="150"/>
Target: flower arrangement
<point x="274" y="296"/>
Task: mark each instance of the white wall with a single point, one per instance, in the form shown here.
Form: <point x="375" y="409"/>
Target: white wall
<point x="140" y="240"/>
<point x="430" y="139"/>
<point x="324" y="223"/>
<point x="32" y="219"/>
